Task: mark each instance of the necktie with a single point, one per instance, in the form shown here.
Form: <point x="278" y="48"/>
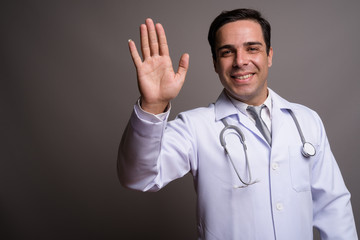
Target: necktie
<point x="260" y="124"/>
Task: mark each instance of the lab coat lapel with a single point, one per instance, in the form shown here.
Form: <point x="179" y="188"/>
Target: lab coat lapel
<point x="224" y="108"/>
<point x="277" y="118"/>
<point x="250" y="125"/>
<point x="279" y="110"/>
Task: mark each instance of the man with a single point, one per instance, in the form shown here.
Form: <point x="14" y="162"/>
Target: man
<point x="266" y="189"/>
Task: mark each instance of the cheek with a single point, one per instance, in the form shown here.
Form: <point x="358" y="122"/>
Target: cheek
<point x="224" y="65"/>
<point x="261" y="63"/>
<point x="218" y="68"/>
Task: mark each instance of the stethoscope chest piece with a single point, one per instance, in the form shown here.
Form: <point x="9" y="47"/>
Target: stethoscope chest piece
<point x="308" y="150"/>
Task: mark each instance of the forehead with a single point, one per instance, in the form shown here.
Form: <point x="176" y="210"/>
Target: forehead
<point x="242" y="30"/>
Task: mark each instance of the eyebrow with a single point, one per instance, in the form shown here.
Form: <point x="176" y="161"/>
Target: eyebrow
<point x="229" y="46"/>
<point x="253" y="43"/>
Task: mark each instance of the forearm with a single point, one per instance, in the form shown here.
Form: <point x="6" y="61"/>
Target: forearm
<point x="139" y="152"/>
<point x="153" y="152"/>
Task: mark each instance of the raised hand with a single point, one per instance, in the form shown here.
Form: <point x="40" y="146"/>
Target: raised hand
<point x="157" y="81"/>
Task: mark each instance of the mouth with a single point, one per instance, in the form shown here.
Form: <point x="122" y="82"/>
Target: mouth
<point x="242" y="77"/>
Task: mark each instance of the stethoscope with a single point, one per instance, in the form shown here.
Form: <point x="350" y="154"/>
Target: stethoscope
<point x="307" y="150"/>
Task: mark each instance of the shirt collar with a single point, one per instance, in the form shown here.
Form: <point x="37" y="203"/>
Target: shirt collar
<point x="224" y="106"/>
<point x="241" y="106"/>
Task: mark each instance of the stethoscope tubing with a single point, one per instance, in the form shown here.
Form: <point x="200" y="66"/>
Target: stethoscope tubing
<point x="307" y="150"/>
<point x="242" y="140"/>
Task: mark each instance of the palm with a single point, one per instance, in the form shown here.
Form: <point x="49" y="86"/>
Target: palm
<point x="158" y="83"/>
<point x="157" y="79"/>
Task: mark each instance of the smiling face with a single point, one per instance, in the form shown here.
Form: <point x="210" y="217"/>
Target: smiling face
<point x="241" y="61"/>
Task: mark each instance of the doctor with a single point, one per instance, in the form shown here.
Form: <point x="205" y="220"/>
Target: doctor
<point x="259" y="185"/>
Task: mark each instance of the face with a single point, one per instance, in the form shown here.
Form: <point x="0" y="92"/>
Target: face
<point x="242" y="62"/>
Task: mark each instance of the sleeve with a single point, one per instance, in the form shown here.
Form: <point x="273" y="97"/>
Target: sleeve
<point x="333" y="214"/>
<point x="153" y="152"/>
<point x="149" y="116"/>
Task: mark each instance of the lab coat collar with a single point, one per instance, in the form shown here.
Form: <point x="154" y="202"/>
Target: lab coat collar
<point x="224" y="107"/>
<point x="279" y="102"/>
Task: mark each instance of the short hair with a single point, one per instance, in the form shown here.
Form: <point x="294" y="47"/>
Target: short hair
<point x="236" y="15"/>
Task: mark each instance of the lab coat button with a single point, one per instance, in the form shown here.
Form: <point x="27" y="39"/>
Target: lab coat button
<point x="275" y="166"/>
<point x="279" y="206"/>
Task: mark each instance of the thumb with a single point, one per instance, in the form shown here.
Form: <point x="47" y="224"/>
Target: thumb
<point x="183" y="66"/>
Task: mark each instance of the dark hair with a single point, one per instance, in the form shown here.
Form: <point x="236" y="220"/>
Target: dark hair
<point x="236" y="15"/>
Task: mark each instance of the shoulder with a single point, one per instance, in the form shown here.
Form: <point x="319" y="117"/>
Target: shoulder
<point x="303" y="109"/>
<point x="193" y="123"/>
<point x="199" y="114"/>
<point x="302" y="112"/>
<point x="282" y="103"/>
<point x="307" y="118"/>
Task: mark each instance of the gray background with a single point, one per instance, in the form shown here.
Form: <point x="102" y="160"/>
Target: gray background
<point x="68" y="86"/>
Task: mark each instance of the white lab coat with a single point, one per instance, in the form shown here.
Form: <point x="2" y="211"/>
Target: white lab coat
<point x="293" y="193"/>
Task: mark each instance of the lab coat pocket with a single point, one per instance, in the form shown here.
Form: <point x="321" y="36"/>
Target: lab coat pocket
<point x="300" y="168"/>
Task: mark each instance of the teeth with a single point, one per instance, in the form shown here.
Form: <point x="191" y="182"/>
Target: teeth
<point x="244" y="77"/>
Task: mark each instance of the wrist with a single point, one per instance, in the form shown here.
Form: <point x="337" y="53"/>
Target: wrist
<point x="154" y="108"/>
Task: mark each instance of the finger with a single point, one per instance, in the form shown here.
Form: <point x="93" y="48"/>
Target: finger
<point x="153" y="41"/>
<point x="145" y="49"/>
<point x="183" y="66"/>
<point x="163" y="46"/>
<point x="134" y="53"/>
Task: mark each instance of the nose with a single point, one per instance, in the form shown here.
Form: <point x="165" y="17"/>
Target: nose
<point x="240" y="59"/>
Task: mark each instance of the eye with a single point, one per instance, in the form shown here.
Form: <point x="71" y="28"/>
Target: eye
<point x="253" y="49"/>
<point x="226" y="53"/>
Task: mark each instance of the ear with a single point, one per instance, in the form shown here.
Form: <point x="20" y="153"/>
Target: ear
<point x="215" y="66"/>
<point x="270" y="56"/>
